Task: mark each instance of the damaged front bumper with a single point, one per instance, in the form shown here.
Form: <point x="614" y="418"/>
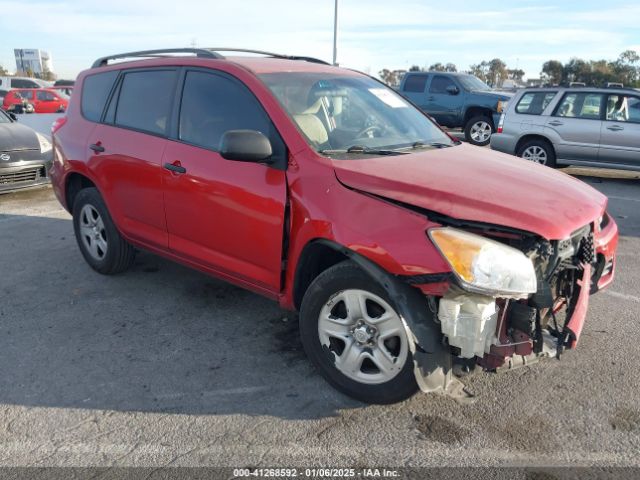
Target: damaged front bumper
<point x="498" y="333"/>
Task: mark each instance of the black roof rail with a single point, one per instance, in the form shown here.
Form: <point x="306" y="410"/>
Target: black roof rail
<point x="199" y="52"/>
<point x="270" y="54"/>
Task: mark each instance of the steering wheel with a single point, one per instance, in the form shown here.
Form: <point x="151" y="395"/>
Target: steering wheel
<point x="370" y="131"/>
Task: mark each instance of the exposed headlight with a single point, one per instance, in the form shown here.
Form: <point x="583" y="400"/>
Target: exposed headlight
<point x="485" y="266"/>
<point x="45" y="145"/>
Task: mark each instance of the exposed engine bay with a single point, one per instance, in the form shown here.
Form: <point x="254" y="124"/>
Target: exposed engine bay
<point x="497" y="332"/>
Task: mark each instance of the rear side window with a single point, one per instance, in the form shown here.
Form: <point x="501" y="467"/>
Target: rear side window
<point x="440" y="83"/>
<point x="534" y="103"/>
<point x="24" y="94"/>
<point x="145" y="100"/>
<point x="580" y="105"/>
<point x="95" y="90"/>
<point x="415" y="83"/>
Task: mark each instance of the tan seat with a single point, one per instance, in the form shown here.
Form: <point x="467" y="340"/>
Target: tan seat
<point x="312" y="127"/>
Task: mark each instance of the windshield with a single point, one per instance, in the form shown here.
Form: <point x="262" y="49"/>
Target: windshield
<point x="4" y="118"/>
<point x="338" y="113"/>
<point x="469" y="82"/>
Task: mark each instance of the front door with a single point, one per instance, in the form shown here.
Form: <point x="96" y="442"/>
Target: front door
<point x="620" y="138"/>
<point x="442" y="104"/>
<point x="577" y="122"/>
<point x="221" y="214"/>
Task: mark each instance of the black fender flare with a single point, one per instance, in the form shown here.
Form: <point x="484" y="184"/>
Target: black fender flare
<point x="432" y="360"/>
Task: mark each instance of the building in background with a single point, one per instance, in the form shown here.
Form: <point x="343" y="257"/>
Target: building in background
<point x="33" y="61"/>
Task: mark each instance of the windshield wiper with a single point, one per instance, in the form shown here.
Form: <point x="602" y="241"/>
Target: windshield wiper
<point x="420" y="144"/>
<point x="359" y="149"/>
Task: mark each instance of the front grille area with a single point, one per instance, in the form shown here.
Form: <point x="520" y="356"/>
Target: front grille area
<point x="31" y="175"/>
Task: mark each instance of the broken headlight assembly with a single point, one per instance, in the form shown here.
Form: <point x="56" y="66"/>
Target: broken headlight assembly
<point x="485" y="266"/>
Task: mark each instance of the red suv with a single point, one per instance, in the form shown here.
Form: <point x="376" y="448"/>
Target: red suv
<point x="35" y="100"/>
<point x="406" y="252"/>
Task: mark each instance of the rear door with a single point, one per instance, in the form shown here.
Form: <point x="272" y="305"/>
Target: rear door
<point x="620" y="137"/>
<point x="414" y="88"/>
<point x="224" y="215"/>
<point x="127" y="149"/>
<point x="445" y="107"/>
<point x="575" y="126"/>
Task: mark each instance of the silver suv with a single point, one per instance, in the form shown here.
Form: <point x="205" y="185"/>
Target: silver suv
<point x="572" y="126"/>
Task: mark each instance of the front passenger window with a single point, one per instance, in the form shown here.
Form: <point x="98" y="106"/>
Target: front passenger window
<point x="623" y="108"/>
<point x="213" y="104"/>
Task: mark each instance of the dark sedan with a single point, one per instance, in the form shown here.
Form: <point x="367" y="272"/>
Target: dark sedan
<point x="25" y="155"/>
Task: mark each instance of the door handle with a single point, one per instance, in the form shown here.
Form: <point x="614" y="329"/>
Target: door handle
<point x="96" y="147"/>
<point x="615" y="128"/>
<point x="175" y="167"/>
<point x="430" y="98"/>
<point x="555" y="123"/>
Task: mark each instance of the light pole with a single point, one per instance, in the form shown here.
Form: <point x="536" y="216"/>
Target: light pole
<point x="335" y="33"/>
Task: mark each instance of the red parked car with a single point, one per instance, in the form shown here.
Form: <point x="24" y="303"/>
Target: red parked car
<point x="405" y="252"/>
<point x="35" y="100"/>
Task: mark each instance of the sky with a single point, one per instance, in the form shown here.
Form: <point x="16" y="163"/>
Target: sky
<point x="372" y="34"/>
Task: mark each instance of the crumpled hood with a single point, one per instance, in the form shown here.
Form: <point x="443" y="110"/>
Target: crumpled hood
<point x="14" y="136"/>
<point x="481" y="185"/>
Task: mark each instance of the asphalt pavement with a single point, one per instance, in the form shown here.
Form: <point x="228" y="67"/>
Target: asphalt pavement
<point x="163" y="365"/>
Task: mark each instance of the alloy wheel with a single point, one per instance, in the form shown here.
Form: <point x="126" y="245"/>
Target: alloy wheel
<point x="365" y="335"/>
<point x="481" y="131"/>
<point x="535" y="154"/>
<point x="93" y="233"/>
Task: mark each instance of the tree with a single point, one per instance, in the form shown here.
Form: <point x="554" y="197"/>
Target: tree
<point x="437" y="67"/>
<point x="480" y="70"/>
<point x="577" y="70"/>
<point x="629" y="56"/>
<point x="415" y="68"/>
<point x="388" y="76"/>
<point x="47" y="74"/>
<point x="497" y="72"/>
<point x="515" y="74"/>
<point x="3" y="72"/>
<point x="553" y="72"/>
<point x="450" y="67"/>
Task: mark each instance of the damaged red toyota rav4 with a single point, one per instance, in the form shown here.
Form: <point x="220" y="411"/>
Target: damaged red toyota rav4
<point x="405" y="252"/>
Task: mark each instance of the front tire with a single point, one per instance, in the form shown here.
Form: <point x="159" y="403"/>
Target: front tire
<point x="478" y="130"/>
<point x="101" y="244"/>
<point x="355" y="338"/>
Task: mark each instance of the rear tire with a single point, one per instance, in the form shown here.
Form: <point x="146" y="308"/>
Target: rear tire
<point x="361" y="351"/>
<point x="101" y="244"/>
<point x="538" y="151"/>
<point x="478" y="130"/>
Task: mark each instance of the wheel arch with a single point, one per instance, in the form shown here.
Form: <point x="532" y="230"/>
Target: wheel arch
<point x="432" y="361"/>
<point x="533" y="136"/>
<point x="74" y="183"/>
<point x="476" y="110"/>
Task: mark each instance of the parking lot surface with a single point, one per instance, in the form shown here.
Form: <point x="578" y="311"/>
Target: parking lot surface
<point x="166" y="366"/>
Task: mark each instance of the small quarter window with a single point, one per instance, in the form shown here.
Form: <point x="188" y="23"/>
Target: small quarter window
<point x="534" y="103"/>
<point x="95" y="90"/>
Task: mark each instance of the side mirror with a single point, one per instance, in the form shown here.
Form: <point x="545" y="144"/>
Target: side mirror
<point x="13" y="116"/>
<point x="245" y="146"/>
<point x="453" y="90"/>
